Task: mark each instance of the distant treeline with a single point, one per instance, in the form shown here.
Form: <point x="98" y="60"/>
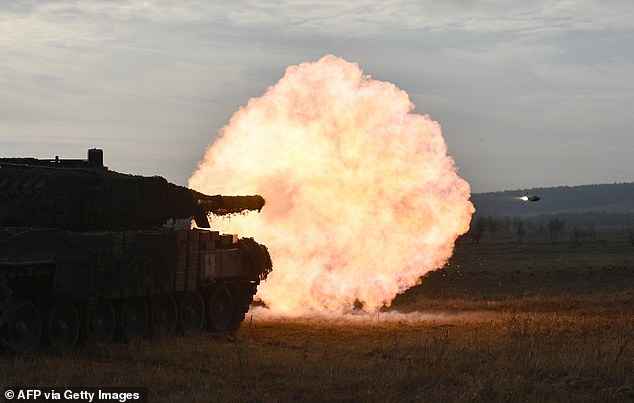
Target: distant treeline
<point x="608" y="198"/>
<point x="564" y="226"/>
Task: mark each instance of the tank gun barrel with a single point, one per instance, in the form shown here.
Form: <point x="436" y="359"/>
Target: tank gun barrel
<point x="220" y="204"/>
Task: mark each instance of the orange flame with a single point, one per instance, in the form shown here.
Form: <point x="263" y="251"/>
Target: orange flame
<point x="361" y="196"/>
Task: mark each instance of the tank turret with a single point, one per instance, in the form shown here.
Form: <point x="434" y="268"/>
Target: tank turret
<point x="83" y="195"/>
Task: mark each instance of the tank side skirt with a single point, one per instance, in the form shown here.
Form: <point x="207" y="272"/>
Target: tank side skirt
<point x="116" y="266"/>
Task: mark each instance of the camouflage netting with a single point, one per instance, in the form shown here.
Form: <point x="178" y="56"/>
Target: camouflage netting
<point x="87" y="266"/>
<point x="255" y="257"/>
<point x="85" y="199"/>
<point x="83" y="263"/>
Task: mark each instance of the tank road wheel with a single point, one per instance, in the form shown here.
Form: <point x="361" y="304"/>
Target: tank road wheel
<point x="192" y="313"/>
<point x="244" y="297"/>
<point x="164" y="316"/>
<point x="99" y="323"/>
<point x="25" y="328"/>
<point x="133" y="318"/>
<point x="62" y="325"/>
<point x="221" y="310"/>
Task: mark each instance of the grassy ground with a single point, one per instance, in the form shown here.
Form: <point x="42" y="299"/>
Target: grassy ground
<point x="511" y="276"/>
<point x="502" y="322"/>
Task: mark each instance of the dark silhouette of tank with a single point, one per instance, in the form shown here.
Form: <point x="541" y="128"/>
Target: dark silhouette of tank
<point x="88" y="254"/>
<point x="83" y="195"/>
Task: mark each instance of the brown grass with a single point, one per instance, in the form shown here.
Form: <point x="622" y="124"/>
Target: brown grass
<point x="485" y="357"/>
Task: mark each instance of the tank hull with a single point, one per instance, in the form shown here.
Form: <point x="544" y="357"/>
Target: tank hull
<point x="148" y="269"/>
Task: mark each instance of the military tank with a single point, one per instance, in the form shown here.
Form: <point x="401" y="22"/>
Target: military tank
<point x="91" y="255"/>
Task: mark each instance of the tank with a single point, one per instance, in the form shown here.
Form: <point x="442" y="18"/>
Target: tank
<point x="91" y="255"/>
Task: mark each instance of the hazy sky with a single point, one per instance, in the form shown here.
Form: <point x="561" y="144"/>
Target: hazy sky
<point x="529" y="93"/>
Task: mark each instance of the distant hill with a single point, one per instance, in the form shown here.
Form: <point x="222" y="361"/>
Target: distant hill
<point x="609" y="198"/>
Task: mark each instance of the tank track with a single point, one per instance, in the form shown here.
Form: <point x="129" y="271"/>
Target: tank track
<point x="28" y="323"/>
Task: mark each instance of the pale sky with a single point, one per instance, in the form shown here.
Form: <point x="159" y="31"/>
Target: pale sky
<point x="529" y="93"/>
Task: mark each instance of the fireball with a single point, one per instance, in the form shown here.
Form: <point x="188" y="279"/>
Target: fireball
<point x="362" y="197"/>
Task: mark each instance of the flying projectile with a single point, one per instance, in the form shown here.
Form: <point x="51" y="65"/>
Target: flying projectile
<point x="531" y="198"/>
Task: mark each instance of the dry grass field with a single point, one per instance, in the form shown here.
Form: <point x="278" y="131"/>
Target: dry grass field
<point x="502" y="322"/>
